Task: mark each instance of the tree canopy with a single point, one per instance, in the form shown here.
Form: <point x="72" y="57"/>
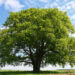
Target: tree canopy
<point x="37" y="37"/>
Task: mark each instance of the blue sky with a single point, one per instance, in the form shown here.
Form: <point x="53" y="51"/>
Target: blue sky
<point x="17" y="5"/>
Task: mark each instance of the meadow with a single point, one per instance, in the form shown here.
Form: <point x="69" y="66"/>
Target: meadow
<point x="55" y="72"/>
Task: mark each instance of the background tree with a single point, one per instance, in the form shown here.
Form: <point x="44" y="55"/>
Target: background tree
<point x="37" y="37"/>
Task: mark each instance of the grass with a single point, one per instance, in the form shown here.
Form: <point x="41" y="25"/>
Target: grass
<point x="56" y="72"/>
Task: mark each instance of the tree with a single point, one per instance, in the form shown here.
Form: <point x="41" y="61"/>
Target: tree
<point x="37" y="37"/>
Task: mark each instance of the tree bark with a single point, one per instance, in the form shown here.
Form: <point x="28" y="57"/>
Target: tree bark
<point x="37" y="62"/>
<point x="36" y="67"/>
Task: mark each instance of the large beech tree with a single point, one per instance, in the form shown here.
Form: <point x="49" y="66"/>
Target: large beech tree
<point x="37" y="37"/>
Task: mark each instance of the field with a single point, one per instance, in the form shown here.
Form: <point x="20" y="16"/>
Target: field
<point x="57" y="72"/>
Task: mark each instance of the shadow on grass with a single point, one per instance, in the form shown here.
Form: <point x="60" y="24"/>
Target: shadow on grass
<point x="30" y="72"/>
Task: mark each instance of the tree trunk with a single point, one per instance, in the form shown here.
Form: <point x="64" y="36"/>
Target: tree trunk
<point x="36" y="61"/>
<point x="36" y="67"/>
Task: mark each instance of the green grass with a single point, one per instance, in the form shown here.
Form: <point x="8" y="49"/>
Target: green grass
<point x="7" y="72"/>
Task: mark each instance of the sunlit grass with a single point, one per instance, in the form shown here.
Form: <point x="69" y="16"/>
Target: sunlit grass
<point x="54" y="72"/>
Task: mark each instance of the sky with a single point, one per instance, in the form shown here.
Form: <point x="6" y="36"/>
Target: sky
<point x="16" y="5"/>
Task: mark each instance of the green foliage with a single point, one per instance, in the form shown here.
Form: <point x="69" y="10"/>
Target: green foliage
<point x="40" y="35"/>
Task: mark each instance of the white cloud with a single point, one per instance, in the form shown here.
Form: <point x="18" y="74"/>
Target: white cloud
<point x="73" y="35"/>
<point x="73" y="17"/>
<point x="52" y="5"/>
<point x="65" y="5"/>
<point x="55" y="4"/>
<point x="2" y="27"/>
<point x="45" y="1"/>
<point x="68" y="5"/>
<point x="13" y="5"/>
<point x="65" y="0"/>
<point x="32" y="3"/>
<point x="1" y="2"/>
<point x="29" y="3"/>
